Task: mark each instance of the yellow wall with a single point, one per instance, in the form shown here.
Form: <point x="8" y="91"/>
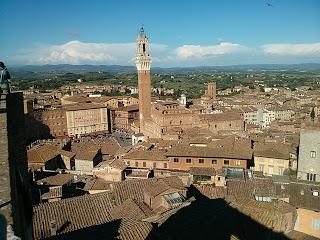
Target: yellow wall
<point x="269" y="163"/>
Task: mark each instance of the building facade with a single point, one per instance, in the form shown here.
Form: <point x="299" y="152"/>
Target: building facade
<point x="83" y="119"/>
<point x="309" y="155"/>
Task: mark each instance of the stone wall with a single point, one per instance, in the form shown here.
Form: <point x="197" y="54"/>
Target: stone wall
<point x="15" y="203"/>
<point x="309" y="153"/>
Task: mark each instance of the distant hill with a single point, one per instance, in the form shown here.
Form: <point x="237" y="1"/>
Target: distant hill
<point x="63" y="68"/>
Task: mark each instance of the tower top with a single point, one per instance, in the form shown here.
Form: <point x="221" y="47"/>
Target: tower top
<point x="142" y="32"/>
<point x="143" y="60"/>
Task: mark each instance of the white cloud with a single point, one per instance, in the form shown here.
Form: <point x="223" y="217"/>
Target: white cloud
<point x="292" y="49"/>
<point x="197" y="51"/>
<point x="76" y="52"/>
<point x="224" y="53"/>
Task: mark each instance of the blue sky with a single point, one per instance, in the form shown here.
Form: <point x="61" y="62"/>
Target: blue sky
<point x="181" y="33"/>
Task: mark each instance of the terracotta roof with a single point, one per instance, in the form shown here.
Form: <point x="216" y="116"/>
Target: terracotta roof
<point x="67" y="153"/>
<point x="202" y="171"/>
<point x="210" y="191"/>
<point x="71" y="214"/>
<point x="57" y="180"/>
<point x="134" y="107"/>
<point x="139" y="154"/>
<point x="252" y="187"/>
<point x="87" y="154"/>
<point x="265" y="213"/>
<point x="118" y="164"/>
<point x="302" y="195"/>
<point x="42" y="154"/>
<point x="279" y="151"/>
<point x="110" y="146"/>
<point x="97" y="184"/>
<point x="272" y="153"/>
<point x="132" y="209"/>
<point x="193" y="151"/>
<point x="83" y="106"/>
<point x="229" y="116"/>
<point x="163" y="184"/>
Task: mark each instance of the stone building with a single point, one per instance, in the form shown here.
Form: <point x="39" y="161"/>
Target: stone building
<point x="168" y="118"/>
<point x="229" y="121"/>
<point x="309" y="155"/>
<point x="86" y="159"/>
<point x="124" y="117"/>
<point x="86" y="118"/>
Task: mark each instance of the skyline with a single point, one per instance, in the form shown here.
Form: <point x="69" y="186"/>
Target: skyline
<point x="198" y="33"/>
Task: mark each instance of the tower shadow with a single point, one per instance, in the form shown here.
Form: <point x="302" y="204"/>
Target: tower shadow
<point x="212" y="219"/>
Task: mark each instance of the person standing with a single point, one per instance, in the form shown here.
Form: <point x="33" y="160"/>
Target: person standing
<point x="5" y="78"/>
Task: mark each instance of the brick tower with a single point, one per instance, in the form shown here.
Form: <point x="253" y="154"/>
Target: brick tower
<point x="212" y="88"/>
<point x="143" y="63"/>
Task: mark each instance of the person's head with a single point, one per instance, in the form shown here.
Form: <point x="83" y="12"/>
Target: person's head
<point x="2" y="65"/>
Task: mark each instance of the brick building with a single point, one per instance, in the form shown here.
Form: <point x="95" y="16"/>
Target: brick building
<point x="184" y="157"/>
<point x="54" y="119"/>
<point x="124" y="117"/>
<point x="86" y="118"/>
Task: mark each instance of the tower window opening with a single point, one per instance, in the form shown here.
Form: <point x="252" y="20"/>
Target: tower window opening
<point x="144" y="47"/>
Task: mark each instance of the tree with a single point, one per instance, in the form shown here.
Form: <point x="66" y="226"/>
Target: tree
<point x="313" y="114"/>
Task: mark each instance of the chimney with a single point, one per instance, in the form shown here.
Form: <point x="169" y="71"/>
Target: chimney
<point x="53" y="228"/>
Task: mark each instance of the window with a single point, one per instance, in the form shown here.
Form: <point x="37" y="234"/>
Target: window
<point x="188" y="160"/>
<point x="154" y="165"/>
<point x="261" y="160"/>
<point x="270" y="161"/>
<point x="280" y="171"/>
<point x="315" y="193"/>
<point x="176" y="160"/>
<point x="201" y="160"/>
<point x="218" y="178"/>
<point x="311" y="177"/>
<point x="226" y="162"/>
<point x="137" y="164"/>
<point x="165" y="165"/>
<point x="261" y="168"/>
<point x="280" y="162"/>
<point x="214" y="161"/>
<point x="144" y="164"/>
<point x="270" y="170"/>
<point x="312" y="154"/>
<point x="315" y="224"/>
<point x="238" y="162"/>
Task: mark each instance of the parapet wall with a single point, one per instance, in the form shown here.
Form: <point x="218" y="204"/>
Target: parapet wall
<point x="15" y="204"/>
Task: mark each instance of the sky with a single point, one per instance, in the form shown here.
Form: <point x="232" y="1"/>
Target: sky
<point x="181" y="33"/>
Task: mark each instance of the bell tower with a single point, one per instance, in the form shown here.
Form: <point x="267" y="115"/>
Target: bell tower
<point x="143" y="63"/>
